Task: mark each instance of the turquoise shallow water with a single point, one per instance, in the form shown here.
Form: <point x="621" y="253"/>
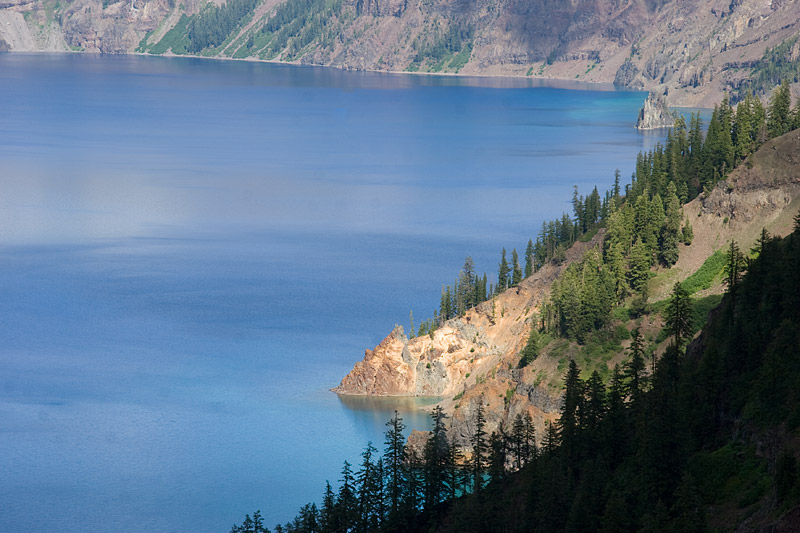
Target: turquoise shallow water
<point x="193" y="252"/>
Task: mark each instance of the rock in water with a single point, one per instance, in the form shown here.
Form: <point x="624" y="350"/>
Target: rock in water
<point x="655" y="114"/>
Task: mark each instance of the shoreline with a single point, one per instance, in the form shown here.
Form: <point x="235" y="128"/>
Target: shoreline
<point x="566" y="83"/>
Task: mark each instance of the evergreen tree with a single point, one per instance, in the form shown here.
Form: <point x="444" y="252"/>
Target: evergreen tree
<point x="670" y="232"/>
<point x="347" y="501"/>
<point x="638" y="266"/>
<point x="679" y="315"/>
<point x="498" y="452"/>
<point x="503" y="279"/>
<point x="734" y="266"/>
<point x="634" y="369"/>
<point x="516" y="272"/>
<point x="435" y="460"/>
<point x="369" y="489"/>
<point x="688" y="232"/>
<point x="478" y="442"/>
<point x="779" y="119"/>
<point x="569" y="423"/>
<point x="394" y="458"/>
<point x="328" y="512"/>
<point x="531" y="348"/>
<point x="529" y="254"/>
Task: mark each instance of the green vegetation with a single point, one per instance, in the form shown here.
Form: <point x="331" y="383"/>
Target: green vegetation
<point x="670" y="450"/>
<point x="442" y="50"/>
<point x="704" y="277"/>
<point x="296" y="23"/>
<point x="634" y="449"/>
<point x="175" y="39"/>
<point x="214" y="24"/>
<point x="777" y="64"/>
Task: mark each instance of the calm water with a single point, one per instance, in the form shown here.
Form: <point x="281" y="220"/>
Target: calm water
<point x="193" y="252"/>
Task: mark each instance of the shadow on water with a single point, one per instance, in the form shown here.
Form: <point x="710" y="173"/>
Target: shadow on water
<point x="378" y="410"/>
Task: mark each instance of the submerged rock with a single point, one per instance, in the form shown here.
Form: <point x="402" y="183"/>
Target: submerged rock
<point x="655" y="114"/>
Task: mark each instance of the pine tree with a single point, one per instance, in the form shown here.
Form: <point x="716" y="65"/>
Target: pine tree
<point x="503" y="273"/>
<point x="734" y="266"/>
<point x="569" y="423"/>
<point x="478" y="441"/>
<point x="688" y="232"/>
<point x="531" y="348"/>
<point x="369" y="489"/>
<point x="394" y="458"/>
<point x="498" y="451"/>
<point x="779" y="119"/>
<point x="679" y="315"/>
<point x="346" y="502"/>
<point x="435" y="460"/>
<point x="743" y="129"/>
<point x="638" y="266"/>
<point x="670" y="232"/>
<point x="529" y="254"/>
<point x="634" y="369"/>
<point x="516" y="272"/>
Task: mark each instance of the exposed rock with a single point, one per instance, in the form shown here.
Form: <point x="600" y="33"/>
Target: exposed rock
<point x="655" y="114"/>
<point x="766" y="184"/>
<point x="688" y="47"/>
<point x="472" y="359"/>
<point x="626" y="76"/>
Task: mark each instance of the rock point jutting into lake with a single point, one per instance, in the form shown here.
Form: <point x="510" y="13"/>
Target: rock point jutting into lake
<point x="655" y="114"/>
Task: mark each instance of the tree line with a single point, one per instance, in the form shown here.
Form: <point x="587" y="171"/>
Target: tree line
<point x="648" y="450"/>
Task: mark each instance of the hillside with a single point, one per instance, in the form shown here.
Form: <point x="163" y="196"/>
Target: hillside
<point x="690" y="49"/>
<point x="474" y="359"/>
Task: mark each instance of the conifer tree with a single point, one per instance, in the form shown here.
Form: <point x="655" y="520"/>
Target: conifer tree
<point x="679" y="315"/>
<point x="734" y="266"/>
<point x="394" y="458"/>
<point x="638" y="266"/>
<point x="478" y="442"/>
<point x="670" y="232"/>
<point x="503" y="273"/>
<point x="529" y="254"/>
<point x="516" y="272"/>
<point x="498" y="451"/>
<point x="531" y="348"/>
<point x="435" y="460"/>
<point x="634" y="369"/>
<point x="779" y="120"/>
<point x="569" y="423"/>
<point x="688" y="232"/>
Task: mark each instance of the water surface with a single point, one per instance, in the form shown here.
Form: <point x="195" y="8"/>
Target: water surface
<point x="193" y="252"/>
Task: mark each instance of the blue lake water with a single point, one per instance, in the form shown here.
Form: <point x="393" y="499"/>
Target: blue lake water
<point x="193" y="252"/>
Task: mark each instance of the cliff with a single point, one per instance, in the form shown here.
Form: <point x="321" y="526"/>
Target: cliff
<point x="474" y="359"/>
<point x="655" y="114"/>
<point x="694" y="49"/>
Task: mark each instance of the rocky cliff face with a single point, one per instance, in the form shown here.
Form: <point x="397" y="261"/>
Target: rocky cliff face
<point x="694" y="49"/>
<point x="471" y="359"/>
<point x="655" y="114"/>
<point x="474" y="359"/>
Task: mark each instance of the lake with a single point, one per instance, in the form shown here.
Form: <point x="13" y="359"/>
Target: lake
<point x="193" y="252"/>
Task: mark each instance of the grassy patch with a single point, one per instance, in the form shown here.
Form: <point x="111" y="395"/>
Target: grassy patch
<point x="461" y="58"/>
<point x="175" y="39"/>
<point x="704" y="277"/>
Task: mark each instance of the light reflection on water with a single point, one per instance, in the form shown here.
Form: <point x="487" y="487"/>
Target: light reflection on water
<point x="192" y="253"/>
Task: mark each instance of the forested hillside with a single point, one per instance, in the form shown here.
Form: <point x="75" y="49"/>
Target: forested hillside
<point x="656" y="429"/>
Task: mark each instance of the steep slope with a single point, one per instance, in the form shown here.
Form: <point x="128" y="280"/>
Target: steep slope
<point x="475" y="359"/>
<point x="694" y="50"/>
<point x="764" y="192"/>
